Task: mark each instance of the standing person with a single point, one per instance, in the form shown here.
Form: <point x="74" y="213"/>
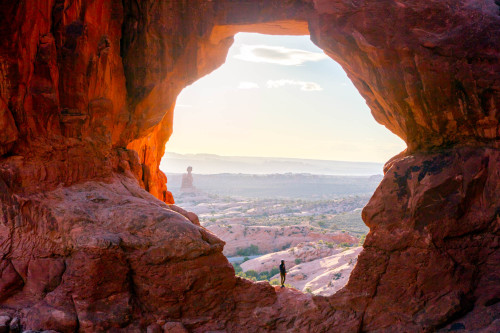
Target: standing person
<point x="282" y="273"/>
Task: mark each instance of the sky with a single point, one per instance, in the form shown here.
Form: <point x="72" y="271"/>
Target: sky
<point x="279" y="96"/>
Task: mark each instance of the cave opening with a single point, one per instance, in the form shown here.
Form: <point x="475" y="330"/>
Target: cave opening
<point x="285" y="155"/>
<point x="86" y="107"/>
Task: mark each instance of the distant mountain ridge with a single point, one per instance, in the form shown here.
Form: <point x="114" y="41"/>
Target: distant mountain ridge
<point x="284" y="186"/>
<point x="216" y="164"/>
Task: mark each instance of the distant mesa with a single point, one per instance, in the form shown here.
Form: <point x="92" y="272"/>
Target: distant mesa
<point x="187" y="181"/>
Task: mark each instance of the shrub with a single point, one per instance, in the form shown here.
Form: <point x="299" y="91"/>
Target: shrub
<point x="298" y="261"/>
<point x="263" y="276"/>
<point x="237" y="268"/>
<point x="249" y="251"/>
<point x="245" y="276"/>
<point x="252" y="273"/>
<point x="249" y="277"/>
<point x="275" y="282"/>
<point x="362" y="239"/>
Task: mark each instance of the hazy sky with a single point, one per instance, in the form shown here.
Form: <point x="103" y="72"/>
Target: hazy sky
<point x="279" y="96"/>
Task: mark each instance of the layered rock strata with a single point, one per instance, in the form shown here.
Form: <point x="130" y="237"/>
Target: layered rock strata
<point x="87" y="93"/>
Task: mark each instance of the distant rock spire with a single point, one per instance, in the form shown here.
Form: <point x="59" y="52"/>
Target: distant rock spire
<point x="187" y="180"/>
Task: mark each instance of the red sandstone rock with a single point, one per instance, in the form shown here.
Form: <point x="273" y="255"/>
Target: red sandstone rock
<point x="174" y="327"/>
<point x="189" y="215"/>
<point x="82" y="80"/>
<point x="440" y="234"/>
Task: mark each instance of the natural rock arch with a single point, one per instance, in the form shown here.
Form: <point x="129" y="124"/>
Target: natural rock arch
<point x="84" y="247"/>
<point x="418" y="79"/>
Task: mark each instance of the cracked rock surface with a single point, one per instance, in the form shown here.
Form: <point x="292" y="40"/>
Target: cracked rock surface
<point x="88" y="238"/>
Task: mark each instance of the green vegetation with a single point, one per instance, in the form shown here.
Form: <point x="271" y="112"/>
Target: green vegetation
<point x="297" y="261"/>
<point x="362" y="239"/>
<point x="249" y="251"/>
<point x="274" y="271"/>
<point x="341" y="214"/>
<point x="330" y="203"/>
<point x="330" y="245"/>
<point x="237" y="268"/>
<point x="254" y="275"/>
<point x="276" y="282"/>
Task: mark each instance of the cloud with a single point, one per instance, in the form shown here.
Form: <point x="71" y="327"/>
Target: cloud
<point x="248" y="85"/>
<point x="304" y="85"/>
<point x="277" y="55"/>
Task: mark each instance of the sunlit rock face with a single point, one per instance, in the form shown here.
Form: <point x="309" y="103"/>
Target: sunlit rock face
<point x="87" y="92"/>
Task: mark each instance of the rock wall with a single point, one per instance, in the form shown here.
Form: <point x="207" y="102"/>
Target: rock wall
<point x="87" y="93"/>
<point x="428" y="70"/>
<point x="434" y="228"/>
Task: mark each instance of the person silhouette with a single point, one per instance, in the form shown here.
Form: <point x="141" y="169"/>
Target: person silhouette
<point x="283" y="273"/>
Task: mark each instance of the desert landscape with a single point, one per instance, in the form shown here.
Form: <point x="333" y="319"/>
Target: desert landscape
<point x="93" y="240"/>
<point x="318" y="268"/>
<point x="318" y="239"/>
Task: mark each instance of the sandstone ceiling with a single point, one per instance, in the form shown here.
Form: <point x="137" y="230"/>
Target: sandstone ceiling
<point x="87" y="93"/>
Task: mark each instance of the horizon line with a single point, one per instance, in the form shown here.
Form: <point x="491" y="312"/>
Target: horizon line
<point x="277" y="157"/>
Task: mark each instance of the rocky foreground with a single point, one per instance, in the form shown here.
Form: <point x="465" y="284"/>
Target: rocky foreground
<point x="87" y="93"/>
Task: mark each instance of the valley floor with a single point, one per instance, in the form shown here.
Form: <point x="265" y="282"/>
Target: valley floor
<point x="318" y="239"/>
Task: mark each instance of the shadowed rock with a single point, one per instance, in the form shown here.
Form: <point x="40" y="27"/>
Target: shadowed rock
<point x="87" y="93"/>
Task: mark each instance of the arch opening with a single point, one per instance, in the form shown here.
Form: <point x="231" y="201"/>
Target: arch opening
<point x="281" y="100"/>
<point x="84" y="80"/>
